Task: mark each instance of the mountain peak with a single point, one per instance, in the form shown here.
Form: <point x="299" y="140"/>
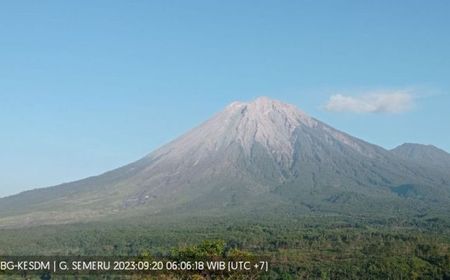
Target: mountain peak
<point x="264" y="106"/>
<point x="268" y="122"/>
<point x="260" y="102"/>
<point x="414" y="147"/>
<point x="425" y="155"/>
<point x="264" y="100"/>
<point x="265" y="123"/>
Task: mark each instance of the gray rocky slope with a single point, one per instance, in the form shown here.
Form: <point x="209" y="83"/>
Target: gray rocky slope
<point x="251" y="157"/>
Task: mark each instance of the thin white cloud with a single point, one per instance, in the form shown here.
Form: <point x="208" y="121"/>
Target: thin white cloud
<point x="376" y="102"/>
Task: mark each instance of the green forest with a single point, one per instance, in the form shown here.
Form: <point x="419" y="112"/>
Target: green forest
<point x="308" y="248"/>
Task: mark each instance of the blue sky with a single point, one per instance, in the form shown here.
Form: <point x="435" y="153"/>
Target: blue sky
<point x="87" y="86"/>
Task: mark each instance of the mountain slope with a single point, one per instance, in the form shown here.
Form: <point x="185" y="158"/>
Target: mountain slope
<point x="426" y="155"/>
<point x="262" y="156"/>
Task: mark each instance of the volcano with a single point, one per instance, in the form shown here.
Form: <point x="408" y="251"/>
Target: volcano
<point x="263" y="157"/>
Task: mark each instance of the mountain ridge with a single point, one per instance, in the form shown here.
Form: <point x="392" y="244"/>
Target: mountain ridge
<point x="427" y="155"/>
<point x="248" y="154"/>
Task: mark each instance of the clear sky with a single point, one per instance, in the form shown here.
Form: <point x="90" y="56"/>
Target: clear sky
<point x="87" y="86"/>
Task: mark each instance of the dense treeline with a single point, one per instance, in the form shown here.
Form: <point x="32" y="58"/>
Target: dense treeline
<point x="307" y="249"/>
